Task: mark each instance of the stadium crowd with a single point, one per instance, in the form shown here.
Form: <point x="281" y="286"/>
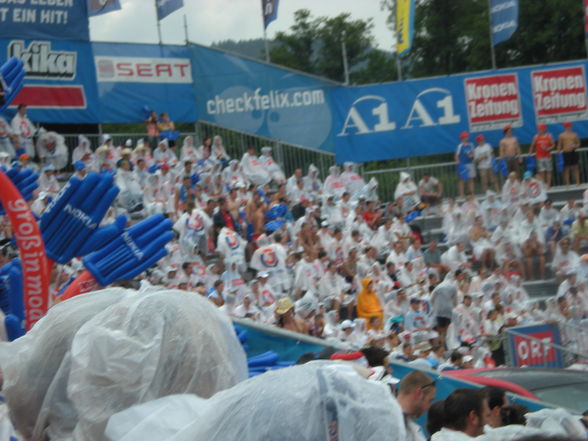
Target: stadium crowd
<point x="327" y="258"/>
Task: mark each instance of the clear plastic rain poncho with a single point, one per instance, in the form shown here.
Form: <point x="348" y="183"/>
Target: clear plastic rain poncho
<point x="100" y="353"/>
<point x="313" y="402"/>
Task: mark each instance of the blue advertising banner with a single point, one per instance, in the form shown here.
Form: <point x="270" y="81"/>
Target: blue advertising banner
<point x="504" y="17"/>
<point x="45" y="19"/>
<point x="424" y="117"/>
<point x="257" y="98"/>
<point x="60" y="83"/>
<point x="533" y="353"/>
<point x="132" y="77"/>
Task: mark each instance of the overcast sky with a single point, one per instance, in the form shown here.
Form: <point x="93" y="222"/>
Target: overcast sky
<point x="215" y="20"/>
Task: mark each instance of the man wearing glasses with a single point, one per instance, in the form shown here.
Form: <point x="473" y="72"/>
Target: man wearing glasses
<point x="415" y="396"/>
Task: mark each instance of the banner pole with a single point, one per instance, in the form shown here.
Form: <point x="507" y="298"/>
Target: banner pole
<point x="492" y="53"/>
<point x="267" y="54"/>
<point x="186" y="29"/>
<point x="158" y="22"/>
<point x="345" y="64"/>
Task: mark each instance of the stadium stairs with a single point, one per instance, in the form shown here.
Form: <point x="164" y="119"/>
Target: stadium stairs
<point x="539" y="289"/>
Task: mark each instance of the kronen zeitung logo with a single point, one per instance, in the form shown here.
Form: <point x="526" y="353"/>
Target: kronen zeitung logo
<point x="41" y="62"/>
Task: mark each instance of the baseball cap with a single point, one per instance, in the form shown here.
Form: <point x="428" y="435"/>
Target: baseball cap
<point x="542" y="127"/>
<point x="507" y="127"/>
<point x="23" y="157"/>
<point x="464" y="134"/>
<point x="480" y="138"/>
<point x="165" y="166"/>
<point x="567" y="124"/>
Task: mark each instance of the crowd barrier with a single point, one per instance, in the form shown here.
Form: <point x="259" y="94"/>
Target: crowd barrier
<point x="446" y="173"/>
<point x="289" y="156"/>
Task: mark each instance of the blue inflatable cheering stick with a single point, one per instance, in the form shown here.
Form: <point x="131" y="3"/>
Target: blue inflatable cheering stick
<point x="12" y="75"/>
<point x="70" y="225"/>
<point x="135" y="250"/>
<point x="25" y="180"/>
<point x="11" y="293"/>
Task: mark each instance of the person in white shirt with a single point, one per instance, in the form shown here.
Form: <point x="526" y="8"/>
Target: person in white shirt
<point x="271" y="165"/>
<point x="334" y="185"/>
<point x="253" y="168"/>
<point x="331" y="286"/>
<point x="353" y="182"/>
<point x="48" y="182"/>
<point x="7" y="138"/>
<point x="24" y="129"/>
<point x="164" y="155"/>
<point x="533" y="189"/>
<point x="83" y="152"/>
<point x="312" y="182"/>
<point x="483" y="155"/>
<point x="430" y="189"/>
<point x="416" y="393"/>
<point x="455" y="257"/>
<point x="565" y="259"/>
<point x="189" y="151"/>
<point x="51" y="149"/>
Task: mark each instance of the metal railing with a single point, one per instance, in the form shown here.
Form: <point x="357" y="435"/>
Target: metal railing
<point x="446" y="173"/>
<point x="289" y="156"/>
<point x="569" y="353"/>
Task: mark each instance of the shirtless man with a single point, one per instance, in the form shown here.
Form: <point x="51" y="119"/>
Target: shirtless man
<point x="510" y="150"/>
<point x="568" y="142"/>
<point x="286" y="319"/>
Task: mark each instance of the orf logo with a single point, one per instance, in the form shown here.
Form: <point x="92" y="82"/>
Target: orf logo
<point x="195" y="223"/>
<point x="232" y="240"/>
<point x="269" y="258"/>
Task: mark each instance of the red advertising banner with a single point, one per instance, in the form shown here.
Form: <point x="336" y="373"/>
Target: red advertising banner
<point x="559" y="94"/>
<point x="493" y="101"/>
<point x="533" y="352"/>
<point x="31" y="248"/>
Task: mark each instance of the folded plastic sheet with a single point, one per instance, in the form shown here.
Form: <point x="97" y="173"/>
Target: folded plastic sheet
<point x="313" y="402"/>
<point x="124" y="348"/>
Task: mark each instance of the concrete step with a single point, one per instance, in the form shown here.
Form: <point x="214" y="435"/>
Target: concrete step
<point x="541" y="289"/>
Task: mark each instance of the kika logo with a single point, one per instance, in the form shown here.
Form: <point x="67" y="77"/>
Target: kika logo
<point x="41" y="62"/>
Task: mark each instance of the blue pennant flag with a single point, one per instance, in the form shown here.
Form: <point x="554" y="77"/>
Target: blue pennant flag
<point x="270" y="11"/>
<point x="166" y="7"/>
<point x="99" y="7"/>
<point x="504" y="19"/>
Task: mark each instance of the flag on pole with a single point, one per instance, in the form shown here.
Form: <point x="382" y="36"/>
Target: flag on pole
<point x="404" y="25"/>
<point x="99" y="7"/>
<point x="504" y="19"/>
<point x="270" y="11"/>
<point x="166" y="7"/>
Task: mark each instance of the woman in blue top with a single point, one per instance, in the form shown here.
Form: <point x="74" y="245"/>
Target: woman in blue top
<point x="464" y="157"/>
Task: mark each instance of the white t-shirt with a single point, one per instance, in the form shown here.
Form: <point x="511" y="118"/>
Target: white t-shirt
<point x="483" y="151"/>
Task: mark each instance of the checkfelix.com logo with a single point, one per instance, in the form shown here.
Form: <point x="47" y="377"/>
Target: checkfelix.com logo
<point x="273" y="99"/>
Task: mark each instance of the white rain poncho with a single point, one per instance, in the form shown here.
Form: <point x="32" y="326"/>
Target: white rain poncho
<point x="353" y="182"/>
<point x="51" y="149"/>
<point x="312" y="182"/>
<point x="407" y="191"/>
<point x="334" y="185"/>
<point x="100" y="353"/>
<point x="271" y="165"/>
<point x="254" y="170"/>
<point x="312" y="402"/>
<point x="83" y="152"/>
